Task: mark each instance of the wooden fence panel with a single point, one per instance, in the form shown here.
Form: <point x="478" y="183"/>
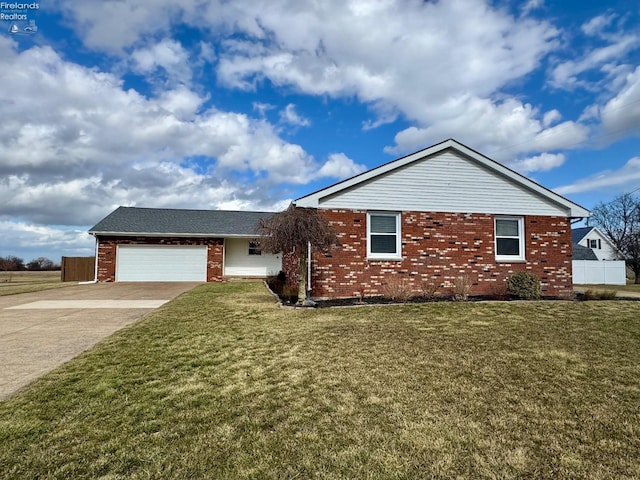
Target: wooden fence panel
<point x="78" y="269"/>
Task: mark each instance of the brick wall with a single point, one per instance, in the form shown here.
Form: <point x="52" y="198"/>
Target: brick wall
<point x="107" y="250"/>
<point x="440" y="247"/>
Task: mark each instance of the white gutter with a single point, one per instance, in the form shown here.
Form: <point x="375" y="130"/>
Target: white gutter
<point x="309" y="266"/>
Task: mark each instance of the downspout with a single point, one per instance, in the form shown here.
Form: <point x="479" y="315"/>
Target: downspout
<point x="95" y="268"/>
<point x="309" y="266"/>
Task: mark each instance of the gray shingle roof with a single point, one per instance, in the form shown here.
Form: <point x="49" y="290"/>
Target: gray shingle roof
<point x="583" y="253"/>
<point x="134" y="220"/>
<point x="578" y="234"/>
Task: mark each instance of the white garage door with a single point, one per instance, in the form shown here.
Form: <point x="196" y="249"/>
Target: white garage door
<point x="161" y="263"/>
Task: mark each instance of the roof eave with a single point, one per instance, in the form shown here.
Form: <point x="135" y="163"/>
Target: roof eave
<point x="96" y="233"/>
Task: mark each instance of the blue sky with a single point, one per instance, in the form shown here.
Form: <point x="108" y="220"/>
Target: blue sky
<point x="248" y="104"/>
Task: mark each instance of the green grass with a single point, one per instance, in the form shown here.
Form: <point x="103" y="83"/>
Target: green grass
<point x="26" y="282"/>
<point x="220" y="383"/>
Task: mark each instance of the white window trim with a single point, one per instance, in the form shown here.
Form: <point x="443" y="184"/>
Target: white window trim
<point x="510" y="258"/>
<point x="385" y="256"/>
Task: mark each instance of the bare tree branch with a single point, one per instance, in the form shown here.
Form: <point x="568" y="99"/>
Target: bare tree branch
<point x="619" y="220"/>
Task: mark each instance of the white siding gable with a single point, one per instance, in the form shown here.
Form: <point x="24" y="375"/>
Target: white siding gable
<point x="604" y="249"/>
<point x="445" y="182"/>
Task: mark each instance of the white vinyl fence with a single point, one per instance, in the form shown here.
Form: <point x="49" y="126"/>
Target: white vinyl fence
<point x="611" y="272"/>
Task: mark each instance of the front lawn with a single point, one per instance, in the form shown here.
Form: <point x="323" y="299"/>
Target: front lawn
<point x="220" y="383"/>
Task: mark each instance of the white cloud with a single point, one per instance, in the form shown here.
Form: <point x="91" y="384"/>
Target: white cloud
<point x="567" y="75"/>
<point x="168" y="56"/>
<point x="112" y="26"/>
<point x="502" y="131"/>
<point x="75" y="145"/>
<point x="411" y="67"/>
<point x="181" y="103"/>
<point x="440" y="65"/>
<point x="30" y="241"/>
<point x="539" y="163"/>
<point x="262" y="108"/>
<point x="551" y="117"/>
<point x="621" y="114"/>
<point x="626" y="178"/>
<point x="532" y="5"/>
<point x="290" y="116"/>
<point x="605" y="46"/>
<point x="340" y="166"/>
<point x="598" y="24"/>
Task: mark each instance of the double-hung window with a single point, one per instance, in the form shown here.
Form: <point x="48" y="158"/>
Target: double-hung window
<point x="509" y="239"/>
<point x="383" y="235"/>
<point x="254" y="248"/>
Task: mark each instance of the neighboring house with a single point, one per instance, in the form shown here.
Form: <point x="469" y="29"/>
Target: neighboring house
<point x="594" y="239"/>
<point x="159" y="244"/>
<point x="443" y="213"/>
<point x="595" y="259"/>
<point x="583" y="253"/>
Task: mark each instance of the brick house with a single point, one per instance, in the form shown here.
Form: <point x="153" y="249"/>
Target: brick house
<point x="163" y="244"/>
<point x="436" y="215"/>
<point x="439" y="214"/>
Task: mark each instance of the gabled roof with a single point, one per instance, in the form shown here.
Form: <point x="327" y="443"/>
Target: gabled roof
<point x="583" y="253"/>
<point x="314" y="199"/>
<point x="166" y="221"/>
<point x="578" y="234"/>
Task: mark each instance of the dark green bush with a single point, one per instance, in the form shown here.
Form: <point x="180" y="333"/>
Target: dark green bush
<point x="524" y="285"/>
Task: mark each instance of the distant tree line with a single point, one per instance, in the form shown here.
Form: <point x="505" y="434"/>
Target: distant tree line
<point x="16" y="264"/>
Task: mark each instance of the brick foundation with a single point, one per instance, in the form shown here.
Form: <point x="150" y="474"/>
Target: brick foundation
<point x="440" y="247"/>
<point x="107" y="250"/>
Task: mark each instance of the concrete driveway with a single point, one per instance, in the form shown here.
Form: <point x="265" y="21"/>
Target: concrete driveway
<point x="40" y="331"/>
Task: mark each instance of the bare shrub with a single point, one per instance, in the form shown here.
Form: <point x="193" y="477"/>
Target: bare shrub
<point x="397" y="290"/>
<point x="498" y="290"/>
<point x="599" y="294"/>
<point x="461" y="288"/>
<point x="361" y="292"/>
<point x="429" y="288"/>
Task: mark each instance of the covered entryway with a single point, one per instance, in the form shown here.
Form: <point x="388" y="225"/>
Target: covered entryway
<point x="243" y="258"/>
<point x="161" y="263"/>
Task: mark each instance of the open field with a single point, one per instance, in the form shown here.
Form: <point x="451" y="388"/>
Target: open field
<point x="220" y="383"/>
<point x="24" y="282"/>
